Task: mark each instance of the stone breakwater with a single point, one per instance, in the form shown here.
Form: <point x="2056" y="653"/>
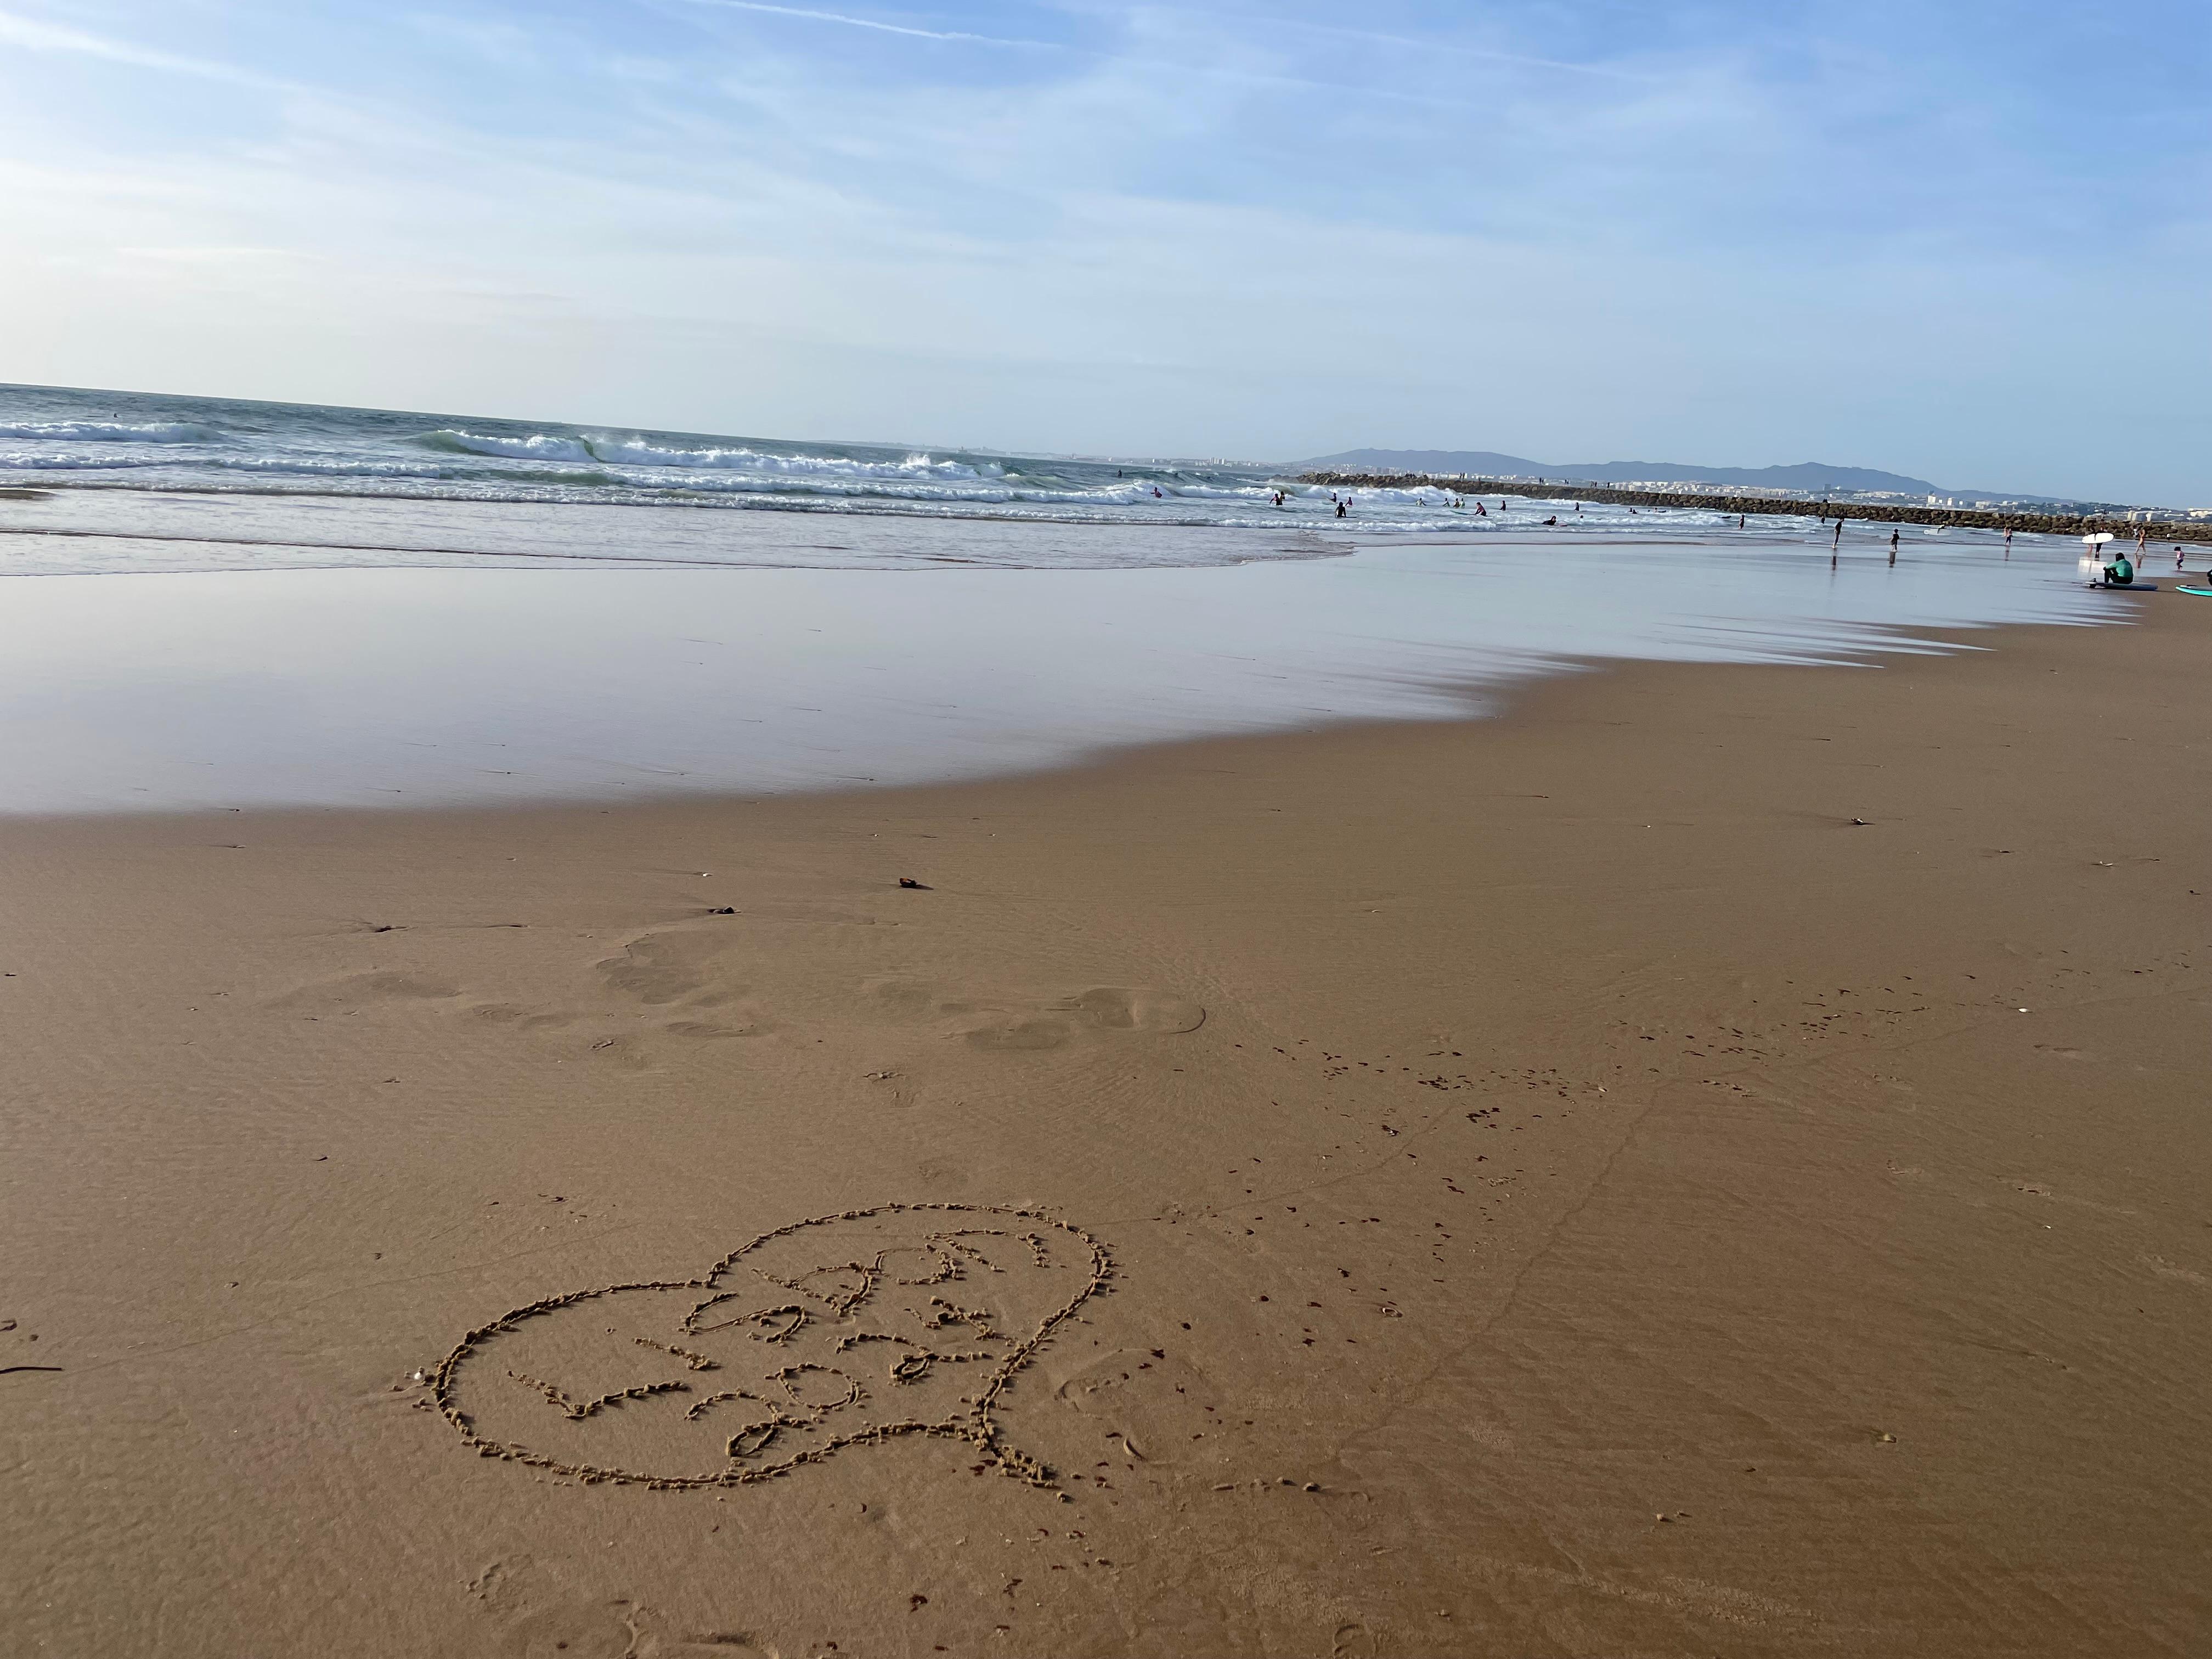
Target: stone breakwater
<point x="1964" y="518"/>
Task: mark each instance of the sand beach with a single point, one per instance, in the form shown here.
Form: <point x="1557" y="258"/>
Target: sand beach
<point x="1080" y="832"/>
<point x="1712" y="1161"/>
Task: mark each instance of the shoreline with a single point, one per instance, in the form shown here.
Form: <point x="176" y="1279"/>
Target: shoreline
<point x="1570" y="1186"/>
<point x="1482" y="702"/>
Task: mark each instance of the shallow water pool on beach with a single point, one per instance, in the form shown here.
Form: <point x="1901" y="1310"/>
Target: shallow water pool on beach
<point x="416" y="686"/>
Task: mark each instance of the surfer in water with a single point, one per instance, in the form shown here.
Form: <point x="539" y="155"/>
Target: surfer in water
<point x="1342" y="506"/>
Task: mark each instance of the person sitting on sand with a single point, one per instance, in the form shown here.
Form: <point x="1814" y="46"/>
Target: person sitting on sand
<point x="2120" y="573"/>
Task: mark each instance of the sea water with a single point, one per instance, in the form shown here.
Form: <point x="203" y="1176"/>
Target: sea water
<point x="140" y="482"/>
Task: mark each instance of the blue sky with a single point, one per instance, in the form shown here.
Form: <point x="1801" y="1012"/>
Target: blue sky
<point x="1964" y="240"/>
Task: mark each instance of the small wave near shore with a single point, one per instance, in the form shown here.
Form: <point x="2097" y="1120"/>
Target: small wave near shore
<point x="144" y="444"/>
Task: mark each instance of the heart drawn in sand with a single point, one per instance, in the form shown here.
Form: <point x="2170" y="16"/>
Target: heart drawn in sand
<point x="844" y="1330"/>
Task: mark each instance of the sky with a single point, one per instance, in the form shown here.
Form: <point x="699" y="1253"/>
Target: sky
<point x="1964" y="240"/>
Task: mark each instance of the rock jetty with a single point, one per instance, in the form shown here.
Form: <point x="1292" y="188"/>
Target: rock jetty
<point x="1964" y="518"/>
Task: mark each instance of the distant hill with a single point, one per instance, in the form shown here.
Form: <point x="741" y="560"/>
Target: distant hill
<point x="1485" y="463"/>
<point x="1459" y="463"/>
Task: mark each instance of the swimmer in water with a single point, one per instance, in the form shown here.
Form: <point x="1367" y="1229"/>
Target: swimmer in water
<point x="1340" y="506"/>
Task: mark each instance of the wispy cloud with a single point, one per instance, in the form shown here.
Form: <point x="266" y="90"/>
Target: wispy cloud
<point x="1262" y="25"/>
<point x="1169" y="67"/>
<point x="812" y="14"/>
<point x="1233" y="231"/>
<point x="29" y="34"/>
<point x="1450" y="48"/>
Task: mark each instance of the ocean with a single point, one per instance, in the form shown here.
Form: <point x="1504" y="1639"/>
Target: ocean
<point x="230" y="605"/>
<point x="149" y="481"/>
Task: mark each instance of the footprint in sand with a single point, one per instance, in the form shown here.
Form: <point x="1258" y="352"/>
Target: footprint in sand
<point x="1010" y="1036"/>
<point x="825" y="1335"/>
<point x="1114" y="1009"/>
<point x="357" y="991"/>
<point x="522" y="1018"/>
<point x="663" y="968"/>
<point x="1108" y="1008"/>
<point x="1029" y="1021"/>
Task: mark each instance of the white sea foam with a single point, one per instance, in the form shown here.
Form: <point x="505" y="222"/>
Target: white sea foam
<point x="121" y="444"/>
<point x="112" y="432"/>
<point x="639" y="452"/>
<point x="537" y="447"/>
<point x="42" y="460"/>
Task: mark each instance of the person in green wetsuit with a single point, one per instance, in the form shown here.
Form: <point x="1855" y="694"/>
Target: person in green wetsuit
<point x="2120" y="573"/>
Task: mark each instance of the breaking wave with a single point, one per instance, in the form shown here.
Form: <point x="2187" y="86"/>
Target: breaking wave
<point x="637" y="452"/>
<point x="146" y="444"/>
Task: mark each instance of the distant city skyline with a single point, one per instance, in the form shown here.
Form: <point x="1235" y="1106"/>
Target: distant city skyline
<point x="1966" y="243"/>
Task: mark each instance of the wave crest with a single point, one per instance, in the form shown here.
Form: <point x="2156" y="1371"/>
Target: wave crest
<point x="537" y="447"/>
<point x="636" y="451"/>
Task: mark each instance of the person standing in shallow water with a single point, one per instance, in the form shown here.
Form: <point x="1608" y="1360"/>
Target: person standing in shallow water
<point x="1340" y="508"/>
<point x="1893" y="547"/>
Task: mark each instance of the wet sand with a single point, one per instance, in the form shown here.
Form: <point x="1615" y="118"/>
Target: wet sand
<point x="437" y="688"/>
<point x="1548" y="1185"/>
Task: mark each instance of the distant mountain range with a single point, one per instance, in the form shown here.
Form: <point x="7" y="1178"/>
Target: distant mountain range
<point x="1484" y="463"/>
